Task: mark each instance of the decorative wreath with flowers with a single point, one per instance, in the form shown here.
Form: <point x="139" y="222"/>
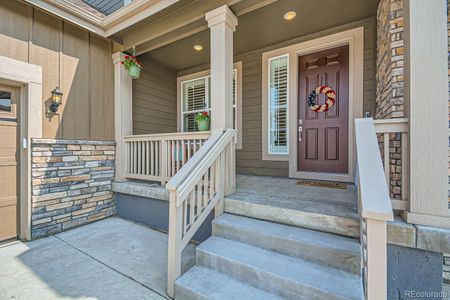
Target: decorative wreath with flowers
<point x="327" y="91"/>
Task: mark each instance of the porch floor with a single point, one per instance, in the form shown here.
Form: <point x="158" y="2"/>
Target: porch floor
<point x="108" y="259"/>
<point x="285" y="193"/>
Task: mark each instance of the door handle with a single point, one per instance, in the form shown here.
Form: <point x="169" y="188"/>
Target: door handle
<point x="300" y="130"/>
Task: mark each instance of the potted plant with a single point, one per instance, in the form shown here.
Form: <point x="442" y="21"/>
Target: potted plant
<point x="202" y="119"/>
<point x="132" y="66"/>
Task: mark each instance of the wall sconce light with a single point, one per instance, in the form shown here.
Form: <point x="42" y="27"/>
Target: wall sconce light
<point x="56" y="100"/>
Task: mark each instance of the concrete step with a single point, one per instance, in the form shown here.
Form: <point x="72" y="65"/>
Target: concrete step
<point x="203" y="284"/>
<point x="322" y="248"/>
<point x="331" y="219"/>
<point x="285" y="276"/>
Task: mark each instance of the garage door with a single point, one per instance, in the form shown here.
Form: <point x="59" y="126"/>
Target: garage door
<point x="9" y="162"/>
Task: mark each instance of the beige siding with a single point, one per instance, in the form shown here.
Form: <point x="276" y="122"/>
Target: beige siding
<point x="155" y="99"/>
<point x="249" y="159"/>
<point x="77" y="61"/>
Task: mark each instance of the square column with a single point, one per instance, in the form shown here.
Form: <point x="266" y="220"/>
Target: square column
<point x="123" y="117"/>
<point x="426" y="94"/>
<point x="222" y="23"/>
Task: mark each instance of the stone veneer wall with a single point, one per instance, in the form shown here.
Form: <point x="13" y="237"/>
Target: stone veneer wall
<point x="71" y="184"/>
<point x="390" y="80"/>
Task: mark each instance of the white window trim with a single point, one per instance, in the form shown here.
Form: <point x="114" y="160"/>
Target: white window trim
<point x="208" y="104"/>
<point x="206" y="73"/>
<point x="287" y="107"/>
<point x="266" y="153"/>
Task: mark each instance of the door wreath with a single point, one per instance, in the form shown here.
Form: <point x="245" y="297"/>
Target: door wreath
<point x="327" y="91"/>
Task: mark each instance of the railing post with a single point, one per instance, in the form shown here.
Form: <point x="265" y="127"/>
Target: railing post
<point x="163" y="162"/>
<point x="221" y="178"/>
<point x="376" y="259"/>
<point x="230" y="168"/>
<point x="174" y="244"/>
<point x="122" y="112"/>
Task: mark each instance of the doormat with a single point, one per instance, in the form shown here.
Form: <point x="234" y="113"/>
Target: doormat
<point x="323" y="184"/>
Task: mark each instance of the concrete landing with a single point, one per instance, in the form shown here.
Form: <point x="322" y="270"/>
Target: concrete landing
<point x="281" y="200"/>
<point x="109" y="259"/>
<point x="284" y="192"/>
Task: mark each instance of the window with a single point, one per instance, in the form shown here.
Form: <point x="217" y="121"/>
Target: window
<point x="278" y="105"/>
<point x="5" y="101"/>
<point x="195" y="98"/>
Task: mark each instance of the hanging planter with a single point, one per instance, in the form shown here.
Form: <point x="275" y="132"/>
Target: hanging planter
<point x="131" y="64"/>
<point x="134" y="72"/>
<point x="202" y="119"/>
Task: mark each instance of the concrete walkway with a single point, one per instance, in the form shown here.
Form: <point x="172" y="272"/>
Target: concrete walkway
<point x="109" y="259"/>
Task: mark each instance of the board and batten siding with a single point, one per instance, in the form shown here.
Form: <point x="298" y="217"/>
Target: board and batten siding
<point x="72" y="58"/>
<point x="249" y="158"/>
<point x="154" y="99"/>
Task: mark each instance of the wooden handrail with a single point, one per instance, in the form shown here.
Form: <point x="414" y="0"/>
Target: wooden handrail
<point x="375" y="199"/>
<point x="375" y="209"/>
<point x="195" y="191"/>
<point x="169" y="136"/>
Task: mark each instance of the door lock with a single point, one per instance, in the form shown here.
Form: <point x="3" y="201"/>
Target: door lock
<point x="300" y="129"/>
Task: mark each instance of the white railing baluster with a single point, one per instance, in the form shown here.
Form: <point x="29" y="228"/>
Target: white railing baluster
<point x="386" y="156"/>
<point x="158" y="157"/>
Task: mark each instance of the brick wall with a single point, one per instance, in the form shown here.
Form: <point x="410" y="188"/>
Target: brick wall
<point x="71" y="184"/>
<point x="390" y="60"/>
<point x="390" y="81"/>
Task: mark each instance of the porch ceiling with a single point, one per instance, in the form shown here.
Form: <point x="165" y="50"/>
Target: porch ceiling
<point x="265" y="26"/>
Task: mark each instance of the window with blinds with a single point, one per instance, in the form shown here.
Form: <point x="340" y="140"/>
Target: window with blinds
<point x="195" y="98"/>
<point x="278" y="105"/>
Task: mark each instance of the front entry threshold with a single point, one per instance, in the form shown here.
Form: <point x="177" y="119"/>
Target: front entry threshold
<point x="324" y="176"/>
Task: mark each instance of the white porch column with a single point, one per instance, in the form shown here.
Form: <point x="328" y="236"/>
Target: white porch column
<point x="222" y="23"/>
<point x="122" y="112"/>
<point x="426" y="95"/>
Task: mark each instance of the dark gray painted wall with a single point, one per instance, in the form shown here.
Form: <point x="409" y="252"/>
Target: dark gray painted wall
<point x="154" y="213"/>
<point x="413" y="270"/>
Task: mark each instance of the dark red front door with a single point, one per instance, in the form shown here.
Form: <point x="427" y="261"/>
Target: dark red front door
<point x="323" y="137"/>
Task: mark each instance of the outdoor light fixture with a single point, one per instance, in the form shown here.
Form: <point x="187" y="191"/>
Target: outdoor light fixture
<point x="56" y="100"/>
<point x="290" y="15"/>
<point x="198" y="47"/>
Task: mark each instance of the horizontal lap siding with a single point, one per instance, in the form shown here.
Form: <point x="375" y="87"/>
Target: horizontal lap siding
<point x="72" y="58"/>
<point x="155" y="99"/>
<point x="249" y="159"/>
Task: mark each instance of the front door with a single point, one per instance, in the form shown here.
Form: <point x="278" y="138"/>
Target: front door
<point x="9" y="161"/>
<point x="323" y="137"/>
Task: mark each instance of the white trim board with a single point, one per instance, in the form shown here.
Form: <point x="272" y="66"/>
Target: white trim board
<point x="355" y="39"/>
<point x="206" y="73"/>
<point x="29" y="78"/>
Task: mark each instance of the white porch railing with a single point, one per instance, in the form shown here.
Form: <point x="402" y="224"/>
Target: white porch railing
<point x="388" y="128"/>
<point x="158" y="157"/>
<point x="375" y="210"/>
<point x="195" y="191"/>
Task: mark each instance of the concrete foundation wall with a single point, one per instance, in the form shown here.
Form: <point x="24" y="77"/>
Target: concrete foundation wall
<point x="413" y="273"/>
<point x="154" y="213"/>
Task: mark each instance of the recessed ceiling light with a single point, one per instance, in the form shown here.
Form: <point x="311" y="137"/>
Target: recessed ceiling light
<point x="290" y="15"/>
<point x="198" y="47"/>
